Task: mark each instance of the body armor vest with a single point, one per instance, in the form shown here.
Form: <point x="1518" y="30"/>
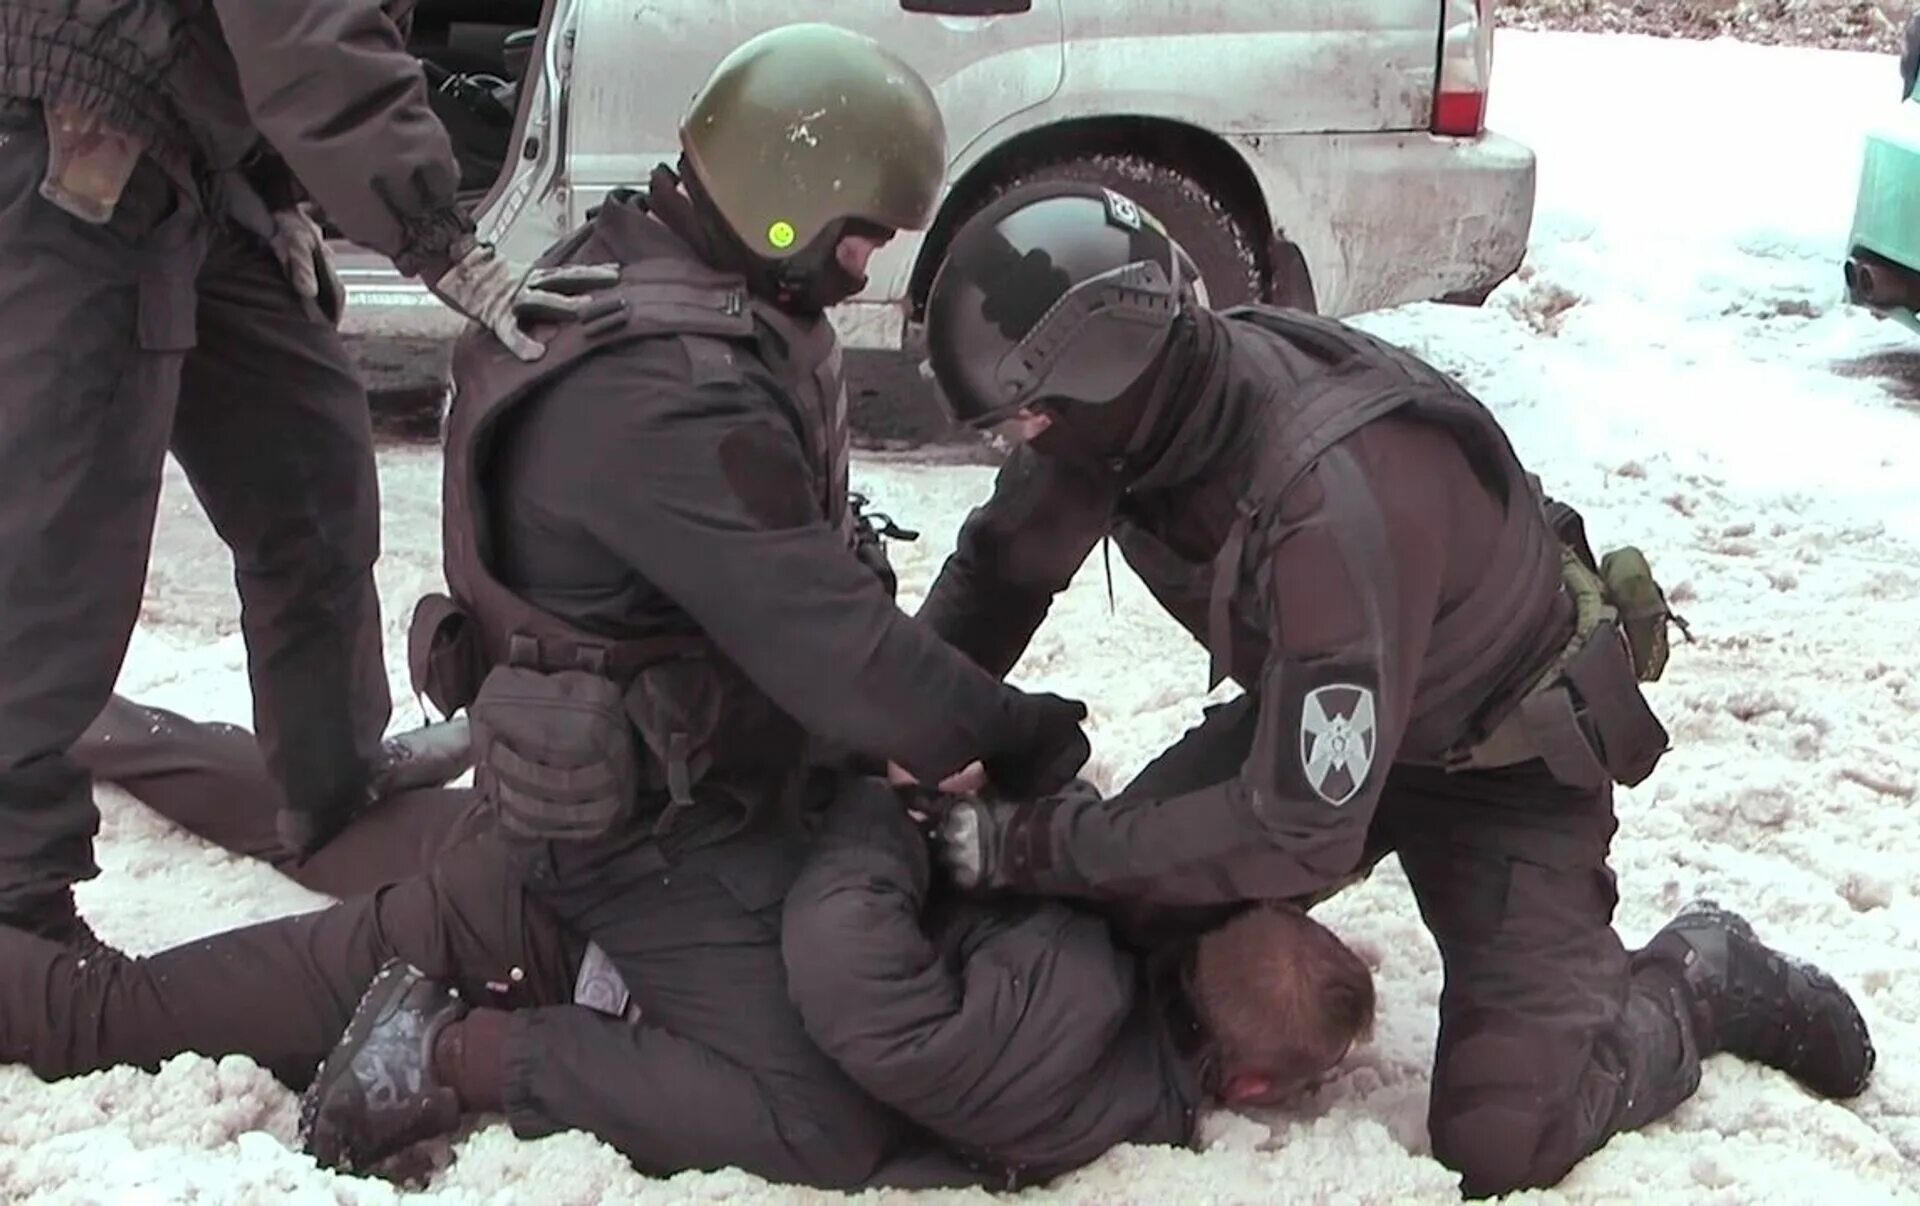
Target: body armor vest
<point x="453" y="642"/>
<point x="1312" y="383"/>
<point x="1515" y="670"/>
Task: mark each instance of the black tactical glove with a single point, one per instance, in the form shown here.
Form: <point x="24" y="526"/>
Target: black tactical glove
<point x="1048" y="755"/>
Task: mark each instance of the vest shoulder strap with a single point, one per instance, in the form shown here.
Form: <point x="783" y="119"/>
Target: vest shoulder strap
<point x="1358" y="385"/>
<point x="660" y="298"/>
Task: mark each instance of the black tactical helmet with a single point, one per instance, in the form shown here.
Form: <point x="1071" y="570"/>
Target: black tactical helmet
<point x="804" y="128"/>
<point x="1055" y="292"/>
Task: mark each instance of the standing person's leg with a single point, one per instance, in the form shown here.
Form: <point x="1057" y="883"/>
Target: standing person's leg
<point x="281" y="991"/>
<point x="211" y="780"/>
<point x="1552" y="1037"/>
<point x="94" y="323"/>
<point x="275" y="435"/>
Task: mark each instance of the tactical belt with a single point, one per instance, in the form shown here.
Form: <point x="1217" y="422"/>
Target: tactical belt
<point x="618" y="660"/>
<point x="1584" y="716"/>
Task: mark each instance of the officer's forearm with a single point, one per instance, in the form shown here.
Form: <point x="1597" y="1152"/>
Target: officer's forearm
<point x="1203" y="847"/>
<point x="1014" y="553"/>
<point x="333" y="88"/>
<point x="926" y="707"/>
<point x="989" y="622"/>
<point x="815" y="630"/>
<point x="740" y="543"/>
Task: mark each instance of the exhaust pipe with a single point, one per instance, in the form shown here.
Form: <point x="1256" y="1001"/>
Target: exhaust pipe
<point x="1873" y="281"/>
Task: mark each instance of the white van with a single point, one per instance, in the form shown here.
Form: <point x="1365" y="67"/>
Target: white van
<point x="1310" y="152"/>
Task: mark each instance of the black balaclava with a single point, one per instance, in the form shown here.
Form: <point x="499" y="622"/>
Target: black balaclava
<point x="1127" y="435"/>
<point x="806" y="285"/>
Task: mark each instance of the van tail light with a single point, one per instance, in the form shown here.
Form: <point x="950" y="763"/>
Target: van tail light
<point x="1466" y="63"/>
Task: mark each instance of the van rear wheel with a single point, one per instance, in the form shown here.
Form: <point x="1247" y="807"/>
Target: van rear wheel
<point x="1225" y="250"/>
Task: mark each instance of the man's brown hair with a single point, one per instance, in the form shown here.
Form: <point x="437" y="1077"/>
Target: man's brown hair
<point x="1282" y="997"/>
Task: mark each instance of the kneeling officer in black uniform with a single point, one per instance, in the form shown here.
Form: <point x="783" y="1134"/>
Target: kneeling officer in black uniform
<point x="659" y="625"/>
<point x="1433" y="661"/>
<point x="656" y="611"/>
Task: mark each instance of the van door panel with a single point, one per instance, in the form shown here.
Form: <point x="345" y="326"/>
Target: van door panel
<point x="1257" y="66"/>
<point x="638" y="64"/>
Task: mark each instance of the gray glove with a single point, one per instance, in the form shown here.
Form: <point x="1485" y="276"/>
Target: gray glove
<point x="986" y="844"/>
<point x="499" y="294"/>
<point x="960" y="846"/>
<point x="302" y="251"/>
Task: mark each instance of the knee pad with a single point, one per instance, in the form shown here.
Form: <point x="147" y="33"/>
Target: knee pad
<point x="1503" y="1111"/>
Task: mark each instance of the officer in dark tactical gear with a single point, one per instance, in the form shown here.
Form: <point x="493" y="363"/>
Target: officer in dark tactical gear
<point x="1433" y="664"/>
<point x="662" y="639"/>
<point x="164" y="288"/>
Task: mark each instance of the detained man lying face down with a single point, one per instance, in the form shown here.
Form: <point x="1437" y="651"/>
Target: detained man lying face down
<point x="1019" y="1033"/>
<point x="1009" y="1040"/>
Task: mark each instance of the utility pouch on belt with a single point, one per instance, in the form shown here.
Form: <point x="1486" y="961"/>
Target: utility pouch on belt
<point x="554" y="754"/>
<point x="88" y="163"/>
<point x="1593" y="724"/>
<point x="1621" y="585"/>
<point x="1586" y="717"/>
<point x="1644" y="613"/>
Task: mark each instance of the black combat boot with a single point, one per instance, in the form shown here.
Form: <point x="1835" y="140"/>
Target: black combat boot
<point x="377" y="1093"/>
<point x="429" y="756"/>
<point x="1750" y="1000"/>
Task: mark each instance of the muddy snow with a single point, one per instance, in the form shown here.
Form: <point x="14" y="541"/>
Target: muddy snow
<point x="1677" y="360"/>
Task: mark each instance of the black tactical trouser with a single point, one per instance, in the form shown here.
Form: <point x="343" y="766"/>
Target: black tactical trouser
<point x="723" y="1065"/>
<point x="163" y="330"/>
<point x="281" y="991"/>
<point x="211" y="780"/>
<point x="1550" y="1043"/>
<point x="718" y="1072"/>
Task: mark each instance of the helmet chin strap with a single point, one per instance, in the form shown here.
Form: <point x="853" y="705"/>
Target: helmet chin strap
<point x="805" y="284"/>
<point x="814" y="280"/>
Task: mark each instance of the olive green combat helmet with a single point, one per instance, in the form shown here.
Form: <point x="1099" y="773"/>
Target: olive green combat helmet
<point x="805" y="127"/>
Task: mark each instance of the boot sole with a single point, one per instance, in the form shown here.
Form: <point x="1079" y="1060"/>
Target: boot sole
<point x="1816" y="976"/>
<point x="392" y="983"/>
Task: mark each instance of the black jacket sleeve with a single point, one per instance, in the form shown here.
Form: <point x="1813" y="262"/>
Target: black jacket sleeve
<point x="1016" y="1031"/>
<point x="1355" y="575"/>
<point x="1016" y="552"/>
<point x="705" y="492"/>
<point x="331" y="85"/>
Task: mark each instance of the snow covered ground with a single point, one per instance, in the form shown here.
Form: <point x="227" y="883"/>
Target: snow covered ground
<point x="1677" y="361"/>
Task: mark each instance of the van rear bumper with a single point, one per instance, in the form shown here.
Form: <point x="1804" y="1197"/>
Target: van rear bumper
<point x="1390" y="218"/>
